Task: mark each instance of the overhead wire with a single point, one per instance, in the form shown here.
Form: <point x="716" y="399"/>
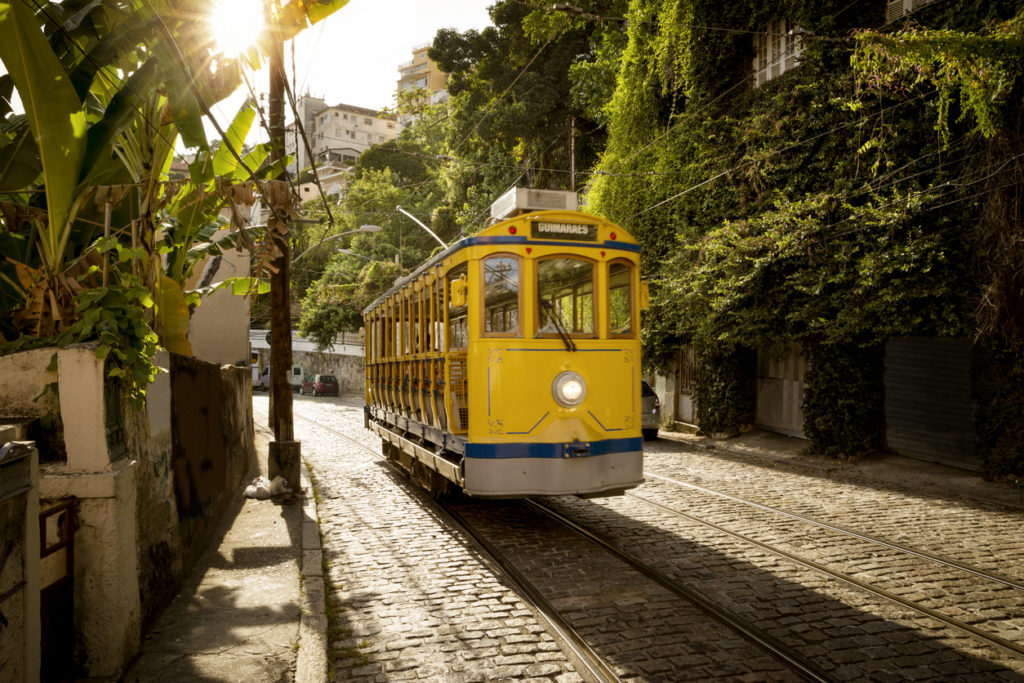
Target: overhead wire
<point x="773" y="153"/>
<point x="979" y="176"/>
<point x="182" y="65"/>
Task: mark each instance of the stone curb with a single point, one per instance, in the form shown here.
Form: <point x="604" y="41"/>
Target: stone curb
<point x="311" y="665"/>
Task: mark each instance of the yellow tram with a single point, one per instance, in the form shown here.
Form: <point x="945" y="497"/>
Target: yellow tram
<point x="509" y="364"/>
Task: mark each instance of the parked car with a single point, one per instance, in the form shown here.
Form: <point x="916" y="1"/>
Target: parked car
<point x="650" y="412"/>
<point x="320" y="385"/>
<point x="261" y="380"/>
<point x="298" y="375"/>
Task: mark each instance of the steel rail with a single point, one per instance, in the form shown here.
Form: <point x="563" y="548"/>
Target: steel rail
<point x="923" y="554"/>
<point x="594" y="663"/>
<point x="909" y="604"/>
<point x="777" y="649"/>
<point x="586" y="655"/>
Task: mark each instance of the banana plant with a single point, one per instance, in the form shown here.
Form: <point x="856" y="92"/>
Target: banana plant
<point x="107" y="87"/>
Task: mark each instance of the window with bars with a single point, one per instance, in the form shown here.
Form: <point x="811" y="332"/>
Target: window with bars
<point x="777" y="49"/>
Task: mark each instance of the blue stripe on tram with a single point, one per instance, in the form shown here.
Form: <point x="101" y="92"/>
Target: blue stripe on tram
<point x="552" y="450"/>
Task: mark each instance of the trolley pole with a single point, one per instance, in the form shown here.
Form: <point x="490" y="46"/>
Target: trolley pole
<point x="284" y="450"/>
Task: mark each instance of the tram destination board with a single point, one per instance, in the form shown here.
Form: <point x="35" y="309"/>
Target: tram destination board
<point x="579" y="232"/>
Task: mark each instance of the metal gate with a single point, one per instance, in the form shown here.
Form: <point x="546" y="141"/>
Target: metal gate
<point x="57" y="598"/>
<point x="928" y="404"/>
<point x="686" y="381"/>
<point x="780" y="391"/>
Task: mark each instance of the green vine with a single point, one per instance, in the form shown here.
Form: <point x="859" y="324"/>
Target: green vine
<point x="832" y="206"/>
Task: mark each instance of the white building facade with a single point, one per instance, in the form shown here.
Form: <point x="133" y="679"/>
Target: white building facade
<point x="336" y="135"/>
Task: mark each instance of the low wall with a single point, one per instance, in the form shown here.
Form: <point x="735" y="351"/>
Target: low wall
<point x="148" y="484"/>
<point x="350" y="370"/>
<point x="213" y="447"/>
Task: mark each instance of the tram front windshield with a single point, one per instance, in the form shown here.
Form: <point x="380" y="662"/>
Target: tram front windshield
<point x="565" y="296"/>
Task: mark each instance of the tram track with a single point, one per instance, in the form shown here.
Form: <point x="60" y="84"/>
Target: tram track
<point x="923" y="554"/>
<point x="791" y="658"/>
<point x="586" y="656"/>
<point x="981" y="634"/>
<point x="594" y="664"/>
<point x="788" y="656"/>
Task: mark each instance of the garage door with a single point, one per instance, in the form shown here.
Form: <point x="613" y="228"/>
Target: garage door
<point x="928" y="405"/>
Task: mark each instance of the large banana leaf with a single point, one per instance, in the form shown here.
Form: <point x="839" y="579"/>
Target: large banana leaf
<point x="54" y="114"/>
<point x="19" y="161"/>
<point x="122" y="109"/>
<point x="224" y="162"/>
<point x="172" y="317"/>
<point x="297" y="15"/>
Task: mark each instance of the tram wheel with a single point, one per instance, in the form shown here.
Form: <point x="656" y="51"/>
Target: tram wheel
<point x="438" y="485"/>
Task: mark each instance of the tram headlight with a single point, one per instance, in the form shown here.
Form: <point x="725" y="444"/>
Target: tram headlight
<point x="569" y="389"/>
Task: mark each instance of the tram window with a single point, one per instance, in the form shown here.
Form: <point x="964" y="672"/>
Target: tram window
<point x="501" y="295"/>
<point x="407" y="324"/>
<point x="414" y="322"/>
<point x="565" y="296"/>
<point x="438" y="314"/>
<point x="620" y="299"/>
<point x="458" y="330"/>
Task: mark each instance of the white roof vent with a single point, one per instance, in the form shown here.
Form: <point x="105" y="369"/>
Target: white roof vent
<point x="524" y="199"/>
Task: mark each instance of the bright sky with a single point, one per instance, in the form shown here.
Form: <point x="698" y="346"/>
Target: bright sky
<point x="352" y="57"/>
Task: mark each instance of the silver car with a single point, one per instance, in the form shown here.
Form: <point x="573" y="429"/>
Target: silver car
<point x="650" y="411"/>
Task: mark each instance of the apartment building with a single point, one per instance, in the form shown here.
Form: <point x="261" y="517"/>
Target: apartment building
<point x="422" y="72"/>
<point x="337" y="134"/>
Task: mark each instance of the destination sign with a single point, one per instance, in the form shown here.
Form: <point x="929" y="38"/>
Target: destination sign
<point x="564" y="231"/>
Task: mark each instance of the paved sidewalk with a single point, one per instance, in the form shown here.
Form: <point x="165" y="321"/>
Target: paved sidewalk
<point x="892" y="470"/>
<point x="253" y="607"/>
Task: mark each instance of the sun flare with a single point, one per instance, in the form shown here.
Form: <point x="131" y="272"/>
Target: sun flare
<point x="236" y="24"/>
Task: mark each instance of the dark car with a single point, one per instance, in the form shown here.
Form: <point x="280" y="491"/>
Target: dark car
<point x="650" y="411"/>
<point x="319" y="385"/>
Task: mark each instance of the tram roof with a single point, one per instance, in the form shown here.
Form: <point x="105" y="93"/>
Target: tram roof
<point x="501" y="230"/>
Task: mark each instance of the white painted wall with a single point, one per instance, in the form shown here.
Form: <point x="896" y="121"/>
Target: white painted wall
<point x="219" y="329"/>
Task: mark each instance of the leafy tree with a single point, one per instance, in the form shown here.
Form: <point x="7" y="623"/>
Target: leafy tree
<point x="509" y="114"/>
<point x="335" y="302"/>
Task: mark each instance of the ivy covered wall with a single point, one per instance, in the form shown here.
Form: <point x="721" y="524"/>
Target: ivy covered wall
<point x="829" y="207"/>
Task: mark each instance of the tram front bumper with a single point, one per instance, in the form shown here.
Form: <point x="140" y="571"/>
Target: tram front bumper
<point x="545" y="476"/>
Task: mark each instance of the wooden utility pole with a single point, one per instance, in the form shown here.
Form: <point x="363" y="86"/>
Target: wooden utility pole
<point x="284" y="451"/>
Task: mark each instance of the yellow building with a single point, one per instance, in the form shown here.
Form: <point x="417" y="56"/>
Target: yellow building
<point x="422" y="72"/>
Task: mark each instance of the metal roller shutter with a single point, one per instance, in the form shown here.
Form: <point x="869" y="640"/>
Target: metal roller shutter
<point x="928" y="405"/>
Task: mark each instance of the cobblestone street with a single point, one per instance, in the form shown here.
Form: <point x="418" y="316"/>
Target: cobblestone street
<point x="411" y="598"/>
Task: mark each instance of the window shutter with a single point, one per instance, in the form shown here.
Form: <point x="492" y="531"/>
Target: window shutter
<point x="777" y="49"/>
<point x="895" y="9"/>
